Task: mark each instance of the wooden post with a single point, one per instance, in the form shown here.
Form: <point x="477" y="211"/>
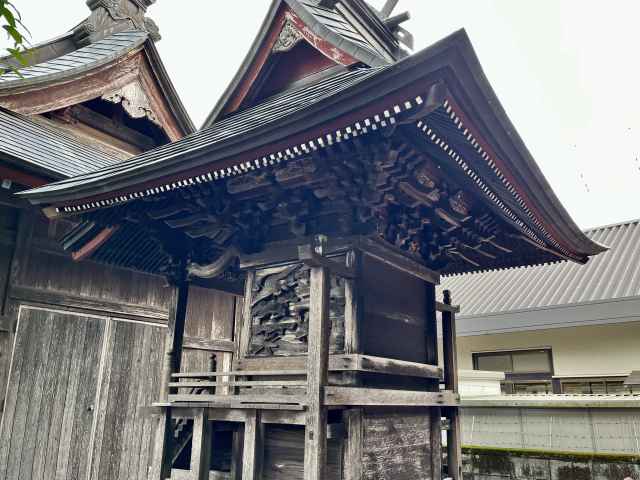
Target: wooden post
<point x="454" y="452"/>
<point x="353" y="451"/>
<point x="253" y="446"/>
<point x="201" y="446"/>
<point x="161" y="468"/>
<point x="315" y="451"/>
<point x="352" y="313"/>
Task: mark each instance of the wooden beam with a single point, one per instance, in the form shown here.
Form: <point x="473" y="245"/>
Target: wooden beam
<point x="443" y="307"/>
<point x="207" y="344"/>
<point x="397" y="259"/>
<point x="231" y="400"/>
<point x="241" y="383"/>
<point x="200" y="446"/>
<point x="307" y="256"/>
<point x="315" y="449"/>
<point x="117" y="309"/>
<point x="345" y="396"/>
<point x="389" y="366"/>
<point x="107" y="125"/>
<point x="337" y="363"/>
<point x="454" y="434"/>
<point x="238" y="373"/>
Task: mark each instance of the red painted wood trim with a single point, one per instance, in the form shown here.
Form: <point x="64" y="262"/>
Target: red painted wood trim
<point x="328" y="49"/>
<point x="285" y="13"/>
<point x="94" y="243"/>
<point x="256" y="65"/>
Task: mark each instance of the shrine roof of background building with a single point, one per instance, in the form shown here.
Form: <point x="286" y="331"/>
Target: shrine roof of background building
<point x="46" y="150"/>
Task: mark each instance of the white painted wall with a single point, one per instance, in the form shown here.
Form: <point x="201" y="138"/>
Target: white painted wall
<point x="612" y="349"/>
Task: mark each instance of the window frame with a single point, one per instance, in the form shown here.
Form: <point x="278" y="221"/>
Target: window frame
<point x="513" y="380"/>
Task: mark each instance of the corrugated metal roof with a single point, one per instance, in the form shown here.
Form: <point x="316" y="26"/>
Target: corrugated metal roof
<point x="47" y="149"/>
<point x="85" y="58"/>
<point x="612" y="274"/>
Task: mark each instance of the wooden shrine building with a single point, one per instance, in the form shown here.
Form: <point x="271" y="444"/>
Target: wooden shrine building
<point x="336" y="180"/>
<point x="92" y="97"/>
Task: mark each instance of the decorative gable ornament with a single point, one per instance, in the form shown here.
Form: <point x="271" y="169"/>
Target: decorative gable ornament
<point x="111" y="16"/>
<point x="288" y="38"/>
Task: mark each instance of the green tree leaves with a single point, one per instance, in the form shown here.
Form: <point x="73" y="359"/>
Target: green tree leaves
<point x="11" y="23"/>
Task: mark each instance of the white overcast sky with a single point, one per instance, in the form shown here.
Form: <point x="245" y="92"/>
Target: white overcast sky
<point x="566" y="71"/>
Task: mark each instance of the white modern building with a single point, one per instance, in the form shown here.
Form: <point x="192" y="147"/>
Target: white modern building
<point x="564" y="327"/>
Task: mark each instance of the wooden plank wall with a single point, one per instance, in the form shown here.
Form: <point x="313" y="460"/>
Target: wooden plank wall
<point x="75" y="404"/>
<point x="284" y="454"/>
<point x="210" y="315"/>
<point x="48" y="418"/>
<point x="131" y="371"/>
<point x="396" y="445"/>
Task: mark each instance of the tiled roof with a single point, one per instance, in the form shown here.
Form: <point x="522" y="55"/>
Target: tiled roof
<point x="46" y="149"/>
<point x="612" y="274"/>
<point x="85" y="58"/>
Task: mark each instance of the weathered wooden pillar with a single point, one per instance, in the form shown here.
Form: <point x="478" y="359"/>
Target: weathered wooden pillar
<point x="352" y="345"/>
<point x="315" y="451"/>
<point x="454" y="453"/>
<point x="161" y="468"/>
<point x="253" y="446"/>
<point x="201" y="446"/>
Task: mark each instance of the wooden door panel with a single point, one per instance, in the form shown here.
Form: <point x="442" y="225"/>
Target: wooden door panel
<point x="47" y="422"/>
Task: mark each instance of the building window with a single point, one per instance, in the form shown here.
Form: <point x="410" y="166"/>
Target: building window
<point x="595" y="385"/>
<point x="526" y="371"/>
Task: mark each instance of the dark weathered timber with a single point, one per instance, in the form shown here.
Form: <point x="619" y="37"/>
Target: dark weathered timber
<point x="315" y="456"/>
<point x="454" y="434"/>
<point x="397" y="259"/>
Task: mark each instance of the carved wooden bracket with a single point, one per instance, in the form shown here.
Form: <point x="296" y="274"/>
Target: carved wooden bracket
<point x="288" y="38"/>
<point x="134" y="100"/>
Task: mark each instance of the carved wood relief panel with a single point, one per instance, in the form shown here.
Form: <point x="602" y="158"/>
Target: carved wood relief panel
<point x="280" y="312"/>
